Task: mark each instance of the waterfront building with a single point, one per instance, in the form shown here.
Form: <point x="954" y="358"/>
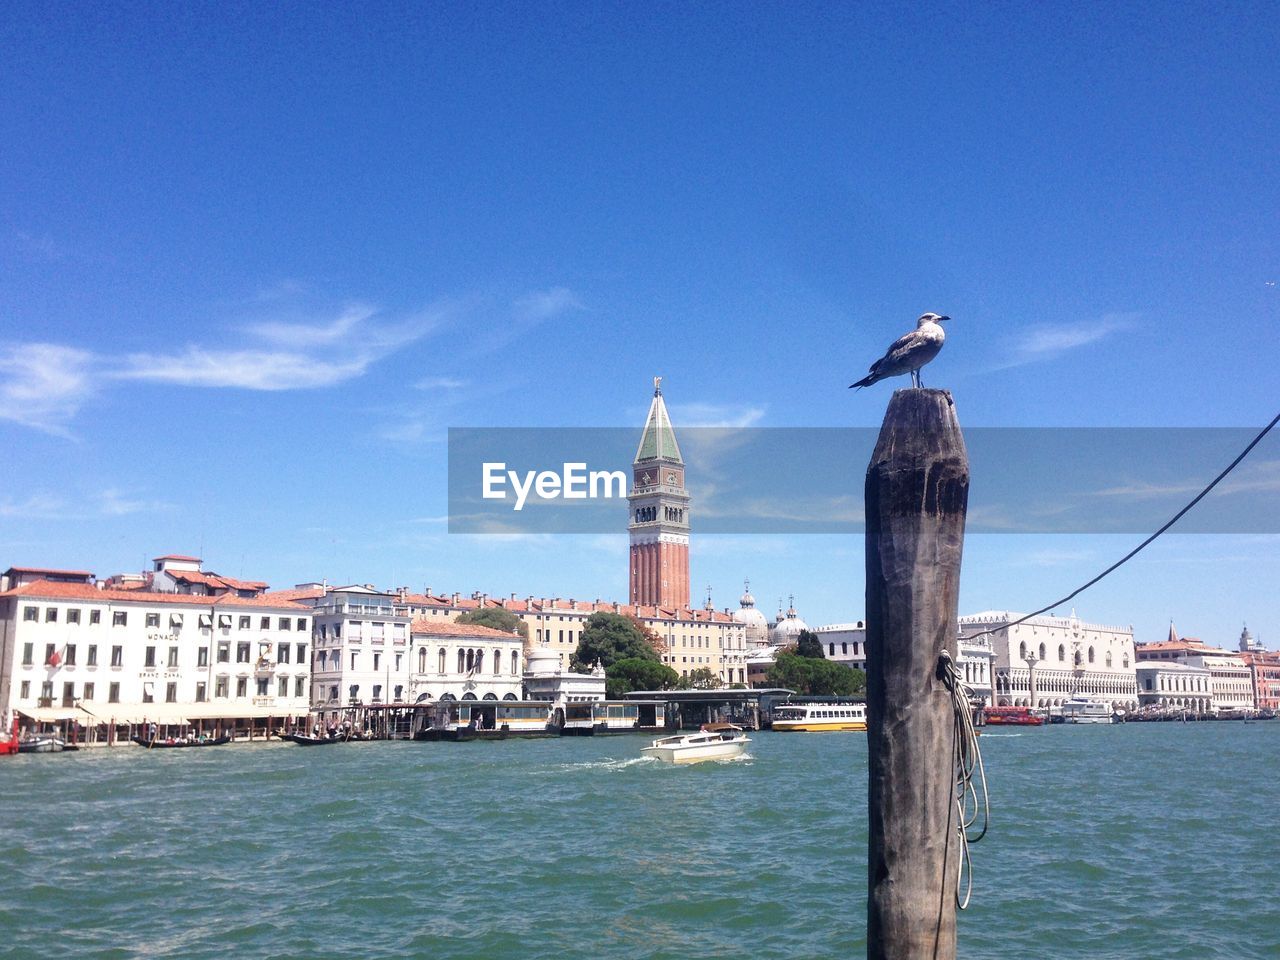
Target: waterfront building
<point x="77" y="650"/>
<point x="546" y="679"/>
<point x="361" y="645"/>
<point x="1047" y="659"/>
<point x="1264" y="669"/>
<point x="845" y="643"/>
<point x="659" y="556"/>
<point x="974" y="659"/>
<point x="1231" y="679"/>
<point x="691" y="638"/>
<point x="1174" y="685"/>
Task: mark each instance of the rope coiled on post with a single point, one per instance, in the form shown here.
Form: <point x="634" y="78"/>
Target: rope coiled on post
<point x="971" y="800"/>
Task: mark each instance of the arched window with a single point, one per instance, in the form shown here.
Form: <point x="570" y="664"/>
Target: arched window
<point x="478" y="664"/>
<point x="1125" y="661"/>
<point x="1022" y="650"/>
<point x="515" y="662"/>
<point x="1108" y="659"/>
<point x="462" y="660"/>
<point x="1042" y="651"/>
<point x="440" y="666"/>
<point x="497" y="662"/>
<point x="1091" y="654"/>
<point x="1062" y="653"/>
<point x="422" y="659"/>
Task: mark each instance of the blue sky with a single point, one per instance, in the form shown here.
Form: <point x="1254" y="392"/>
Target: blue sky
<point x="255" y="260"/>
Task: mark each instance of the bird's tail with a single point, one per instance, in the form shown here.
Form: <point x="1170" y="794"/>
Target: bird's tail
<point x="864" y="382"/>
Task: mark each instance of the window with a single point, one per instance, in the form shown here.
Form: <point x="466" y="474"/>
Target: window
<point x="206" y="621"/>
<point x="284" y="687"/>
<point x="28" y="651"/>
<point x="399" y="657"/>
<point x="302" y="653"/>
<point x="323" y="631"/>
<point x="148" y="692"/>
<point x="262" y="686"/>
<point x="30" y="613"/>
<point x="120" y="618"/>
<point x="113" y="693"/>
<point x="175" y="621"/>
<point x="70" y="658"/>
<point x="73" y="615"/>
<point x="242" y="686"/>
<point x="26" y="689"/>
<point x="302" y="623"/>
<point x="224" y="621"/>
<point x="242" y="653"/>
<point x="117" y="656"/>
<point x="497" y="662"/>
<point x="333" y="692"/>
<point x="377" y="693"/>
<point x="202" y="657"/>
<point x="422" y="659"/>
<point x="354" y="654"/>
<point x="299" y="686"/>
<point x="515" y="662"/>
<point x="220" y="687"/>
<point x="337" y="631"/>
<point x="49" y="650"/>
<point x="171" y="693"/>
<point x="244" y="622"/>
<point x="51" y="615"/>
<point x="150" y="660"/>
<point x="265" y="623"/>
<point x="399" y="693"/>
<point x="200" y="688"/>
<point x="92" y="659"/>
<point x="282" y="653"/>
<point x="224" y="652"/>
<point x="441" y="666"/>
<point x="46" y="690"/>
<point x="153" y="619"/>
<point x="285" y="623"/>
<point x="377" y="661"/>
<point x="95" y="616"/>
<point x="354" y="691"/>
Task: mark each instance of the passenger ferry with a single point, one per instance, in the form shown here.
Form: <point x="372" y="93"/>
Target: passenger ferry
<point x="586" y="718"/>
<point x="485" y="720"/>
<point x="817" y="717"/>
<point x="1012" y="717"/>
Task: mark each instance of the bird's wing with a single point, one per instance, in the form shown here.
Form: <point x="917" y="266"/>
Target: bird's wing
<point x="900" y="347"/>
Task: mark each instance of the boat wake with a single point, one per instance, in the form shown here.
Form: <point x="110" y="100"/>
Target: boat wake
<point x="608" y="763"/>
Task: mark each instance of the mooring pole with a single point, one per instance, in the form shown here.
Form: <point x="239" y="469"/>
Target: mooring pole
<point x="916" y="494"/>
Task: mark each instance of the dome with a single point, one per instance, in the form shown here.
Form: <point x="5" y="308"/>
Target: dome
<point x="543" y="662"/>
<point x="747" y="601"/>
<point x="788" y="626"/>
<point x="756" y="623"/>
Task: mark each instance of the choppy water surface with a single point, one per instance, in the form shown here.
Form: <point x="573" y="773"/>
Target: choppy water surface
<point x="1136" y="841"/>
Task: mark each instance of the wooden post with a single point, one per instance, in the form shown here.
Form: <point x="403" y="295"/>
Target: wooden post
<point x="916" y="494"/>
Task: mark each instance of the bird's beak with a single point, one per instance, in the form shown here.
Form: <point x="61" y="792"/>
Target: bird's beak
<point x="940" y="319"/>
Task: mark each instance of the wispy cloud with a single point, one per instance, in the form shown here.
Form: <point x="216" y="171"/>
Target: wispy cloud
<point x="1048" y="341"/>
<point x="722" y="415"/>
<point x="439" y="383"/>
<point x="43" y="385"/>
<point x="1260" y="477"/>
<point x="544" y="304"/>
<point x="85" y="506"/>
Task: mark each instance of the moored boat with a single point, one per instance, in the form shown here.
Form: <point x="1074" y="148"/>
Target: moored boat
<point x="173" y="743"/>
<point x="1012" y="717"/>
<point x="303" y="740"/>
<point x="1085" y="710"/>
<point x="820" y="717"/>
<point x="42" y="743"/>
<point x="715" y="741"/>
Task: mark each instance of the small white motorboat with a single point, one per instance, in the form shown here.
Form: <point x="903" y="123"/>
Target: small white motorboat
<point x="715" y="741"/>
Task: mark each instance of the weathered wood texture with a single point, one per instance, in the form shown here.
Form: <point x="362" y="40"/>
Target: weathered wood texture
<point x="917" y="491"/>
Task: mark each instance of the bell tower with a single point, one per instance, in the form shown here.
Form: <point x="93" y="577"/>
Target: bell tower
<point x="659" y="527"/>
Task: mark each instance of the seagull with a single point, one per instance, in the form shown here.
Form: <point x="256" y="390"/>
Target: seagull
<point x="908" y="353"/>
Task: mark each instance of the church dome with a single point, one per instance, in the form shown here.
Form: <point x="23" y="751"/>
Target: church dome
<point x="757" y="623"/>
<point x="788" y="626"/>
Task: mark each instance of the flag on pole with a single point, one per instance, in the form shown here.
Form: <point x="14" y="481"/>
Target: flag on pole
<point x="55" y="658"/>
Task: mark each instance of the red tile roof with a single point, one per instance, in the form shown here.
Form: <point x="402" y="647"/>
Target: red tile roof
<point x="177" y="556"/>
<point x="215" y="580"/>
<point x="55" y="590"/>
<point x="555" y="604"/>
<point x="60" y="573"/>
<point x="424" y="627"/>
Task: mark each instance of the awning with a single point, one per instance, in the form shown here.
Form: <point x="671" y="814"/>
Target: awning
<point x="50" y="714"/>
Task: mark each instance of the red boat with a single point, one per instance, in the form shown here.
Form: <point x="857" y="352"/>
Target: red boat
<point x="1011" y="717"/>
<point x="10" y="746"/>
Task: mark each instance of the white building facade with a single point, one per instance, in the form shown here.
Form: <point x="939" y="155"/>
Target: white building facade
<point x="1046" y="660"/>
<point x="80" y="652"/>
<point x="1174" y="685"/>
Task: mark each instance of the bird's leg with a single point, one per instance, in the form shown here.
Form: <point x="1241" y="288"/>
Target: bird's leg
<point x="915" y="378"/>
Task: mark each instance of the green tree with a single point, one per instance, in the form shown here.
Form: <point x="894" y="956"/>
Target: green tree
<point x="637" y="673"/>
<point x="815" y="677"/>
<point x="700" y="679"/>
<point x="610" y="637"/>
<point x="497" y="618"/>
<point x="808" y="645"/>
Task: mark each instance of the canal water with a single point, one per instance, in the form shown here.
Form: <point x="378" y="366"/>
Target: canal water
<point x="1134" y="841"/>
